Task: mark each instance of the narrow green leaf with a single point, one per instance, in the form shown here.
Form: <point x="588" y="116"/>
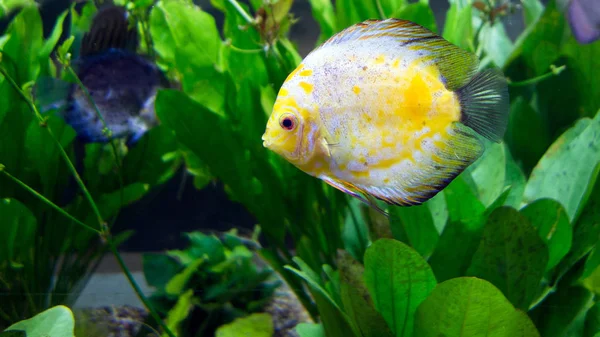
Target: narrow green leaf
<point x="18" y="232"/>
<point x="567" y="171"/>
<point x="415" y="227"/>
<point x="322" y="11"/>
<point x="515" y="178"/>
<point x="496" y="43"/>
<point x="398" y="279"/>
<point x="180" y="311"/>
<point x="355" y="233"/>
<point x="178" y="283"/>
<point x="532" y="10"/>
<point x="254" y="325"/>
<point x="511" y="256"/>
<point x="489" y="173"/>
<point x="458" y="27"/>
<point x="469" y="306"/>
<point x="419" y="13"/>
<point x="550" y="220"/>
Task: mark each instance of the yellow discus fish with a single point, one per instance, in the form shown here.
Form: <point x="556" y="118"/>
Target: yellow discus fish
<point x="387" y="109"/>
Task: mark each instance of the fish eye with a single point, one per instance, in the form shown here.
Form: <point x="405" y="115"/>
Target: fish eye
<point x="288" y="121"/>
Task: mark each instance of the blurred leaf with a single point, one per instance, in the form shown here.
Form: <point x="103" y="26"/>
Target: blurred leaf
<point x="591" y="272"/>
<point x="439" y="211"/>
<point x="56" y="321"/>
<point x="511" y="256"/>
<point x="398" y="279"/>
<point x="515" y="178"/>
<point x="567" y="171"/>
<point x="357" y="301"/>
<point x="180" y="311"/>
<point x="414" y="226"/>
<point x="550" y="220"/>
<point x="532" y="10"/>
<point x="18" y="232"/>
<point x="159" y="269"/>
<point x="354" y="234"/>
<point x="25" y="32"/>
<point x="419" y="13"/>
<point x="528" y="144"/>
<point x="187" y="37"/>
<point x="496" y="43"/>
<point x="51" y="42"/>
<point x="583" y="60"/>
<point x="469" y="306"/>
<point x="322" y="11"/>
<point x="539" y="44"/>
<point x="563" y="312"/>
<point x="458" y="27"/>
<point x="592" y="321"/>
<point x="178" y="283"/>
<point x="489" y="173"/>
<point x="310" y="330"/>
<point x="254" y="325"/>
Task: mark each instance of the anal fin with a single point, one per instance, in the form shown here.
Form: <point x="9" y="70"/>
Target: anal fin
<point x="355" y="192"/>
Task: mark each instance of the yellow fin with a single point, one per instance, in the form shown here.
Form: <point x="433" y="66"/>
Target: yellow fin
<point x="445" y="162"/>
<point x="456" y="65"/>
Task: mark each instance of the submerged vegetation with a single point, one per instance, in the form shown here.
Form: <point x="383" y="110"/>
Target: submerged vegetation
<point x="509" y="248"/>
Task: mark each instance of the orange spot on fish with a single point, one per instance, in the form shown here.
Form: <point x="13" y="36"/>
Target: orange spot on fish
<point x="356" y="89"/>
<point x="308" y="88"/>
<point x="306" y="72"/>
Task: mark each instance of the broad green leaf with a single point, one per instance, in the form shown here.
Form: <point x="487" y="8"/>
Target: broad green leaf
<point x="56" y="321"/>
<point x="178" y="283"/>
<point x="550" y="220"/>
<point x="515" y="178"/>
<point x="419" y="13"/>
<point x="310" y="330"/>
<point x="532" y="10"/>
<point x="18" y="232"/>
<point x="357" y="301"/>
<point x="489" y="173"/>
<point x="563" y="312"/>
<point x="254" y="325"/>
<point x="526" y="143"/>
<point x="462" y="201"/>
<point x="187" y="37"/>
<point x="567" y="171"/>
<point x="398" y="279"/>
<point x="511" y="256"/>
<point x="496" y="43"/>
<point x="180" y="312"/>
<point x="415" y="227"/>
<point x="159" y="269"/>
<point x="469" y="306"/>
<point x="322" y="11"/>
<point x="458" y="27"/>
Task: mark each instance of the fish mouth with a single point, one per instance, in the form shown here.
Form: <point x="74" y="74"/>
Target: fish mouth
<point x="266" y="142"/>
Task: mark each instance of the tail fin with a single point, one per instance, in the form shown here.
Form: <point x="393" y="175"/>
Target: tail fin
<point x="484" y="104"/>
<point x="110" y="29"/>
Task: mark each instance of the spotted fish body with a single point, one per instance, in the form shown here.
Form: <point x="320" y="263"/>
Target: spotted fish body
<point x="387" y="109"/>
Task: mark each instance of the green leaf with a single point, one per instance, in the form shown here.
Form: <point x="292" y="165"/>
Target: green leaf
<point x="398" y="279"/>
<point x="419" y="13"/>
<point x="187" y="38"/>
<point x="581" y="61"/>
<point x="180" y="312"/>
<point x="13" y="333"/>
<point x="415" y="227"/>
<point x="56" y="321"/>
<point x="310" y="330"/>
<point x="178" y="283"/>
<point x="25" y="31"/>
<point x="18" y="232"/>
<point x="254" y="325"/>
<point x="469" y="306"/>
<point x="592" y="321"/>
<point x="550" y="220"/>
<point x="489" y="173"/>
<point x="355" y="234"/>
<point x="159" y="269"/>
<point x="461" y="197"/>
<point x="322" y="11"/>
<point x="515" y="178"/>
<point x="568" y="169"/>
<point x="511" y="256"/>
<point x="458" y="27"/>
<point x="532" y="10"/>
<point x="563" y="312"/>
<point x="496" y="43"/>
<point x="357" y="301"/>
<point x="51" y="42"/>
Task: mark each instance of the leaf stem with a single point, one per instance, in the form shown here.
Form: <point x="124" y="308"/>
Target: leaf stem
<point x="242" y="12"/>
<point x="45" y="200"/>
<point x="138" y="290"/>
<point x="61" y="149"/>
<point x="554" y="71"/>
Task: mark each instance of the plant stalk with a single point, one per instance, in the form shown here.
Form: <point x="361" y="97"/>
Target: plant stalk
<point x="554" y="71"/>
<point x="242" y="12"/>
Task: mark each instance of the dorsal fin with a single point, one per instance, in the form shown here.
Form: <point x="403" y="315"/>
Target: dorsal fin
<point x="110" y="30"/>
<point x="456" y="65"/>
